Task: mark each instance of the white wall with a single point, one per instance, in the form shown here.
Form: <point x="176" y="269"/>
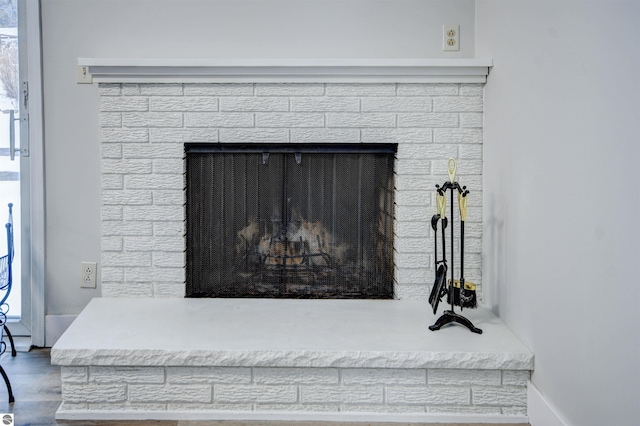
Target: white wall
<point x="561" y="155"/>
<point x="192" y="28"/>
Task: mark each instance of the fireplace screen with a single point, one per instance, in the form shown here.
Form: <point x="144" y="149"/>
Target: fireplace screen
<point x="294" y="221"/>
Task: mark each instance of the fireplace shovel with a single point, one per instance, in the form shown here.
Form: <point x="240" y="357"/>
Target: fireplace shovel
<point x="439" y="289"/>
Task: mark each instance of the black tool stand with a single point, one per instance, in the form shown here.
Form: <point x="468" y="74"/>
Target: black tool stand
<point x="449" y="315"/>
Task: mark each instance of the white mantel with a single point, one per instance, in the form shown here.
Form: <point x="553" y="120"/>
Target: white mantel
<point x="203" y="70"/>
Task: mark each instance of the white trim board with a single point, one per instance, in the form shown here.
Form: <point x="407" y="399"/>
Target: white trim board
<point x="539" y="410"/>
<point x="162" y="70"/>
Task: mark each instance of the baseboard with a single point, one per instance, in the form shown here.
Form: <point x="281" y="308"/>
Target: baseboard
<point x="124" y="415"/>
<point x="540" y="411"/>
<point x="54" y="326"/>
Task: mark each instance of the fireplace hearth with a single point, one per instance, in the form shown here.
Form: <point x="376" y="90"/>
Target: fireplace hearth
<point x="292" y="221"/>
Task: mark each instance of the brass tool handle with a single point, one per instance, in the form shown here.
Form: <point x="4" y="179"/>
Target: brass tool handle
<point x="462" y="204"/>
<point x="452" y="167"/>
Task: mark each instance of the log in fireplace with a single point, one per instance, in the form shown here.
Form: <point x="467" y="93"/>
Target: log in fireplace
<point x="290" y="220"/>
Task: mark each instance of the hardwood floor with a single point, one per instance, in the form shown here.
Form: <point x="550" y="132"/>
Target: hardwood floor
<point x="36" y="387"/>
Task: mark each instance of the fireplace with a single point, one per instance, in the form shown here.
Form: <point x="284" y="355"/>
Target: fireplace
<point x="290" y="220"/>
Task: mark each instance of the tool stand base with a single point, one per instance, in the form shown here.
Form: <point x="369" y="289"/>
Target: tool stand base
<point x="450" y="316"/>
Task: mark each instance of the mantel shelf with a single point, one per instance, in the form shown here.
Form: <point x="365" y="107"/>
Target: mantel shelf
<point x="193" y="70"/>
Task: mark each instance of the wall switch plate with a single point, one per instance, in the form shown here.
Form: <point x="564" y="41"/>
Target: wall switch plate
<point x="83" y="76"/>
<point x="451" y="37"/>
<point x="88" y="274"/>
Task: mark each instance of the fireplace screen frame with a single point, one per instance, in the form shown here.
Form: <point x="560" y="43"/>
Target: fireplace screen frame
<point x="206" y="224"/>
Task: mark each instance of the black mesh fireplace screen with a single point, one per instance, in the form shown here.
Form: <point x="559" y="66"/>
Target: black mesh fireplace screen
<point x="294" y="220"/>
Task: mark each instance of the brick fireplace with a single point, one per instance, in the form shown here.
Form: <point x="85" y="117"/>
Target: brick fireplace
<point x="144" y="128"/>
<point x="143" y="351"/>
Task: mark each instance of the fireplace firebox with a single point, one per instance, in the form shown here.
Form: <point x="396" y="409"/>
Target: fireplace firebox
<point x="290" y="220"/>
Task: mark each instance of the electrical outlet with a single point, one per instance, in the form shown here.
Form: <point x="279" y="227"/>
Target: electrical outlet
<point x="83" y="76"/>
<point x="451" y="37"/>
<point x="88" y="274"/>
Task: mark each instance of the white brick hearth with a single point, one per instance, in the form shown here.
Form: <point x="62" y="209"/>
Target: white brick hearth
<point x="143" y="351"/>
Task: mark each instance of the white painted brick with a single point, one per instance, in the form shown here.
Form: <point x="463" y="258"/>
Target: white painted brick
<point x="412" y="198"/>
<point x="427" y="395"/>
<point x="341" y="394"/>
<point x="428" y="120"/>
<point x="130" y="89"/>
<point x="466" y="168"/>
<point x="289" y="89"/>
<point x="170" y="393"/>
<point x="372" y="376"/>
<point x="415" y="151"/>
<point x="126" y="228"/>
<point x="169" y="228"/>
<point x="471" y="119"/>
<point x="183" y="135"/>
<point x="254" y="135"/>
<point x="414" y="213"/>
<point x="154" y="182"/>
<point x="413" y="183"/>
<point x="73" y="374"/>
<point x="463" y="409"/>
<point x="361" y="89"/>
<point x="411" y="166"/>
<point x="110" y="150"/>
<point x="253" y="393"/>
<point x="126" y="166"/>
<point x="153" y="151"/>
<point x="111" y="213"/>
<point x="457" y="104"/>
<point x="298" y="407"/>
<point x="120" y="197"/>
<point x="515" y="377"/>
<point x="126" y="290"/>
<point x="128" y="406"/>
<point x="463" y="377"/>
<point x="470" y="152"/>
<point x="382" y="409"/>
<point x="361" y="120"/>
<point x="411" y="260"/>
<point x="93" y="393"/>
<point x="124" y="135"/>
<point x="208" y="407"/>
<point x="161" y="89"/>
<point x="154" y="243"/>
<point x="124" y="103"/>
<point x="427" y="89"/>
<point x="396" y="104"/>
<point x="412" y="229"/>
<point x="325" y="135"/>
<point x="414" y="275"/>
<point x="110" y="119"/>
<point x="499" y="395"/>
<point x="399" y="136"/>
<point x="71" y="406"/>
<point x="184" y="104"/>
<point x="152" y="119"/>
<point x="412" y="292"/>
<point x="168" y="198"/>
<point x="296" y="376"/>
<point x="174" y="290"/>
<point x="325" y="104"/>
<point x="100" y="374"/>
<point x="126" y="259"/>
<point x="171" y="166"/>
<point x="169" y="260"/>
<point x="110" y="274"/>
<point x="254" y="104"/>
<point x="153" y="213"/>
<point x="289" y="120"/>
<point x="224" y="89"/>
<point x="228" y="119"/>
<point x="457" y="135"/>
<point x="515" y="410"/>
<point x="413" y="245"/>
<point x="111" y="243"/>
<point x="109" y="89"/>
<point x="230" y="375"/>
<point x="471" y="89"/>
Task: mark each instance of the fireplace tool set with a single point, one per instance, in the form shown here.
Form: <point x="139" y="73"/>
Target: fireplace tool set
<point x="458" y="292"/>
